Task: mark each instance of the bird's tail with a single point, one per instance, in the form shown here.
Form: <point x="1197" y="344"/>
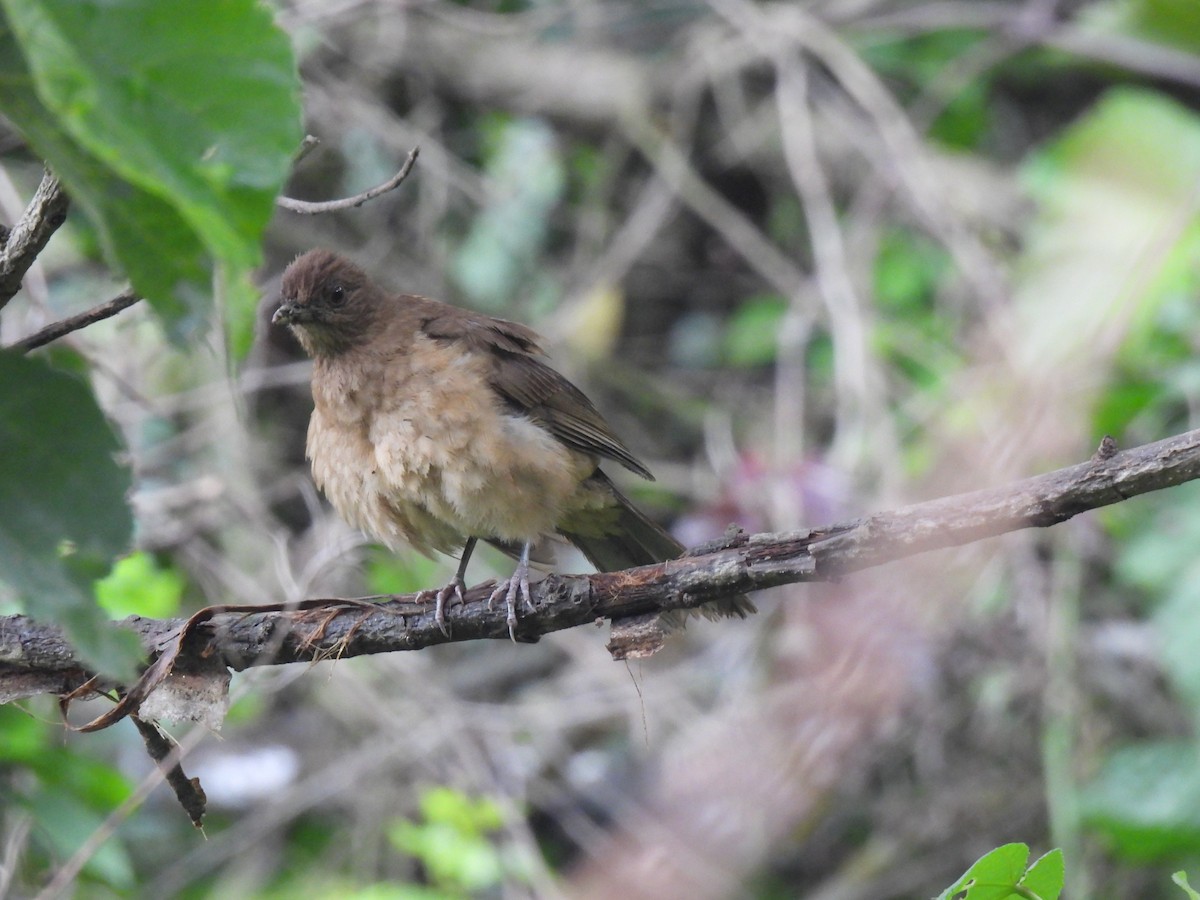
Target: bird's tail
<point x="620" y="537"/>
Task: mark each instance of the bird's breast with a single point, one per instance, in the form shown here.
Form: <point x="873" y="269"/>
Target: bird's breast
<point x="424" y="452"/>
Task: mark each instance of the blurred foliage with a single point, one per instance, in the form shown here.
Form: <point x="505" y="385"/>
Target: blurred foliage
<point x="909" y="270"/>
<point x="137" y="586"/>
<point x="389" y="573"/>
<point x="453" y="842"/>
<point x="1174" y="22"/>
<point x="1181" y="879"/>
<point x="1145" y="801"/>
<point x="752" y="335"/>
<point x="66" y="795"/>
<point x="173" y="129"/>
<point x="920" y="65"/>
<point x="75" y="516"/>
<point x="500" y="252"/>
<point x="176" y="156"/>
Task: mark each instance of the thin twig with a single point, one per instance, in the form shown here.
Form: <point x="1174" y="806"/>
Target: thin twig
<point x="307" y="146"/>
<point x="14" y="845"/>
<point x="27" y="238"/>
<point x="166" y="755"/>
<point x="55" y="330"/>
<point x="311" y="209"/>
<point x="671" y="164"/>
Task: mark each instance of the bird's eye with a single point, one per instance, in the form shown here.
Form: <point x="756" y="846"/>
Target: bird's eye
<point x="337" y="295"/>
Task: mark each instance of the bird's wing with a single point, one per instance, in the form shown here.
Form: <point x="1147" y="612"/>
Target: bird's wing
<point x="479" y="332"/>
<point x="532" y="387"/>
<point x="545" y="395"/>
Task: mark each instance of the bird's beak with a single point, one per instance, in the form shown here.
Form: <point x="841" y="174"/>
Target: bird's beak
<point x="289" y="313"/>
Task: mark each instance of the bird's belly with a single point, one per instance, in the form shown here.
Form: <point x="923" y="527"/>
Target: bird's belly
<point x="345" y="468"/>
<point x="488" y="474"/>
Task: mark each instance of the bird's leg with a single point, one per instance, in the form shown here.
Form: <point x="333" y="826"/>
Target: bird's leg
<point x="517" y="584"/>
<point x="453" y="590"/>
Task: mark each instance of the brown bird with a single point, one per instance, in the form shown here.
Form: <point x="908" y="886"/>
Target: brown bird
<point x="439" y="427"/>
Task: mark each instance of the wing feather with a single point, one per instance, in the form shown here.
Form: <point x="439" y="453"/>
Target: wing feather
<point x="529" y="385"/>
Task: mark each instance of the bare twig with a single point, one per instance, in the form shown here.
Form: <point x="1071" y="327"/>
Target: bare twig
<point x="311" y="209"/>
<point x="565" y="601"/>
<point x="672" y="165"/>
<point x="26" y="239"/>
<point x="164" y="752"/>
<point x="307" y="146"/>
<point x="97" y="313"/>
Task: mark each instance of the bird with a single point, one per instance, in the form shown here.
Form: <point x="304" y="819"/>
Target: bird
<point x="437" y="427"/>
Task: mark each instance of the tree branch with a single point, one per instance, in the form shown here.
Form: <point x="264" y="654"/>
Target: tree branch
<point x="311" y="209"/>
<point x="62" y="327"/>
<point x="34" y="657"/>
<point x="45" y="213"/>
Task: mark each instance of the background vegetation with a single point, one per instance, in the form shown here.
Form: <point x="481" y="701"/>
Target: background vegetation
<point x="811" y="259"/>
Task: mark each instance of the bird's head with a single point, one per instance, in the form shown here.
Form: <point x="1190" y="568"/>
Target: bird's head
<point x="327" y="301"/>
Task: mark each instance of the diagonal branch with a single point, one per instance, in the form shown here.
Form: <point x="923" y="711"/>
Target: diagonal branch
<point x="63" y="327"/>
<point x="45" y="213"/>
<point x="35" y="657"/>
<point x="311" y="209"/>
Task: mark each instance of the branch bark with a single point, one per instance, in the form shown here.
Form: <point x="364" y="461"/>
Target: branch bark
<point x="34" y="658"/>
<point x="45" y="213"/>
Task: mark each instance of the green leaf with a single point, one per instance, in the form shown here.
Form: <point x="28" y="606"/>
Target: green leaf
<point x="63" y="822"/>
<point x="1181" y="879"/>
<point x="390" y="573"/>
<point x="172" y="125"/>
<point x="1047" y="876"/>
<point x="453" y="842"/>
<point x="172" y="98"/>
<point x="908" y="269"/>
<point x="1172" y="22"/>
<point x="994" y="876"/>
<point x="446" y="805"/>
<point x="63" y="497"/>
<point x="752" y="335"/>
<point x="920" y="63"/>
<point x="24" y="736"/>
<point x="1114" y="183"/>
<point x="1146" y="800"/>
<point x="138" y="232"/>
<point x="136" y="586"/>
<point x="1177" y="622"/>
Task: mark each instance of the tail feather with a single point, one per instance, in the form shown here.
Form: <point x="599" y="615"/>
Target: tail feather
<point x="622" y="536"/>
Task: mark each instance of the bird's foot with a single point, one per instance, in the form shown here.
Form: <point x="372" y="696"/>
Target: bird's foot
<point x="509" y="589"/>
<point x="451" y="593"/>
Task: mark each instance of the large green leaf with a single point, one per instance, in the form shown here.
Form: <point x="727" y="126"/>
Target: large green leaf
<point x="174" y="125"/>
<point x="1146" y="801"/>
<point x="63" y="515"/>
<point x="1172" y="22"/>
<point x="139" y="233"/>
<point x="1113" y="237"/>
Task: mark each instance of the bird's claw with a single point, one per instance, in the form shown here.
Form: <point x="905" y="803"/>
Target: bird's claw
<point x="509" y="589"/>
<point x="451" y="593"/>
